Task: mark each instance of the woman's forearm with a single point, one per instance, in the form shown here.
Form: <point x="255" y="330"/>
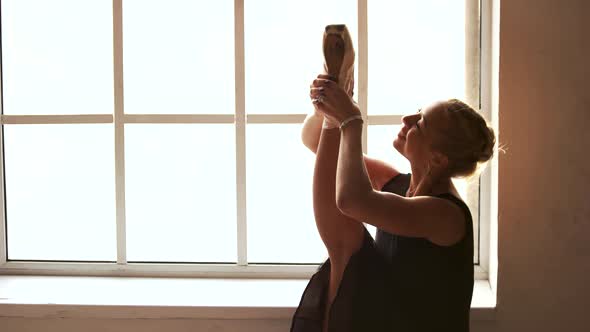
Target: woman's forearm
<point x="352" y="180"/>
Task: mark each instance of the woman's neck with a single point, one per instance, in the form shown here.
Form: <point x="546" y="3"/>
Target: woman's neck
<point x="424" y="182"/>
<point x="417" y="176"/>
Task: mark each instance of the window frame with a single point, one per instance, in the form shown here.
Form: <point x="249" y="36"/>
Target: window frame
<point x="478" y="78"/>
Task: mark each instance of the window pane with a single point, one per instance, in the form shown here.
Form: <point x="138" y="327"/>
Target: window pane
<point x="380" y="146"/>
<point x="57" y="57"/>
<point x="179" y="56"/>
<point x="284" y="50"/>
<point x="281" y="225"/>
<point x="416" y="54"/>
<point x="468" y="188"/>
<point x="60" y="192"/>
<point x="180" y="192"/>
<point x="461" y="186"/>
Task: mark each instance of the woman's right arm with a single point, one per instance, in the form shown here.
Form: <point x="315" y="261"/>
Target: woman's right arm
<point x="379" y="171"/>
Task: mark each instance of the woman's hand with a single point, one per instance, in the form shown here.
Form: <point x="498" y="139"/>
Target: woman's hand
<point x="331" y="100"/>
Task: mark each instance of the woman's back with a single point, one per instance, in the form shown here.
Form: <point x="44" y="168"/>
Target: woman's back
<point x="433" y="284"/>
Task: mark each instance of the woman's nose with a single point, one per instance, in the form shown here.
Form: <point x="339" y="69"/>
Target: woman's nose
<point x="405" y="119"/>
<point x="408" y="119"/>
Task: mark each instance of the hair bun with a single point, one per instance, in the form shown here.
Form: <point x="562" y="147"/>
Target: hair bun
<point x="487" y="149"/>
<point x="469" y="141"/>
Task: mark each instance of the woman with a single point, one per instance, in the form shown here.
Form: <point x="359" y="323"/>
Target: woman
<point x="418" y="273"/>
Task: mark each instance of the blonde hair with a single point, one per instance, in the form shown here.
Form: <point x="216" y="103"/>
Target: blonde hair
<point x="469" y="141"/>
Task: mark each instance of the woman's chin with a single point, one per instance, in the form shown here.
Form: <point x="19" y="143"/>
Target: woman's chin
<point x="398" y="144"/>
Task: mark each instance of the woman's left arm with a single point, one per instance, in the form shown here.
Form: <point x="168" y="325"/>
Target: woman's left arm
<point x="432" y="218"/>
<point x="435" y="219"/>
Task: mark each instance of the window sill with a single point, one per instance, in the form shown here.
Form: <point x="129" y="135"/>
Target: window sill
<point x="169" y="298"/>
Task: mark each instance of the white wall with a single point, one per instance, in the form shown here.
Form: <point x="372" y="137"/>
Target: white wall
<point x="544" y="179"/>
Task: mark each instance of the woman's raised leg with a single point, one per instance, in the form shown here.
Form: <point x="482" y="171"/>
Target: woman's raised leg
<point x="341" y="235"/>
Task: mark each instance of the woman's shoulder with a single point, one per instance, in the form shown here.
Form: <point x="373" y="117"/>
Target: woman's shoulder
<point x="397" y="184"/>
<point x="455" y="199"/>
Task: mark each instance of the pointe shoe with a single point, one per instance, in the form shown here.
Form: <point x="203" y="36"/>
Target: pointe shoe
<point x="339" y="55"/>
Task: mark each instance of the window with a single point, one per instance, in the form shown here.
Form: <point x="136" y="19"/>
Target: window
<point x="162" y="137"/>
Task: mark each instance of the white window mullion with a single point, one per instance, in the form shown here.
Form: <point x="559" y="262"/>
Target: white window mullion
<point x="363" y="65"/>
<point x="276" y="118"/>
<point x="472" y="97"/>
<point x="119" y="131"/>
<point x="3" y="235"/>
<point x="179" y="118"/>
<point x="57" y="119"/>
<point x="488" y="179"/>
<point x="174" y="270"/>
<point x="384" y="119"/>
<point x="472" y="53"/>
<point x="242" y="235"/>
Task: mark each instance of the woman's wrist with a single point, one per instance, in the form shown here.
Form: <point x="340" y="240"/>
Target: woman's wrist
<point x="348" y="120"/>
<point x="329" y="124"/>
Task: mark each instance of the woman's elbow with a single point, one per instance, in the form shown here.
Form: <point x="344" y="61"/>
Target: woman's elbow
<point x="341" y="202"/>
<point x="353" y="203"/>
<point x="347" y="204"/>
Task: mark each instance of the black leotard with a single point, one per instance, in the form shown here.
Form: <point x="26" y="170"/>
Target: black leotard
<point x="396" y="283"/>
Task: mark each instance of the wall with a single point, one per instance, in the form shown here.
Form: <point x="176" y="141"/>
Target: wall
<point x="544" y="179"/>
<point x="544" y="213"/>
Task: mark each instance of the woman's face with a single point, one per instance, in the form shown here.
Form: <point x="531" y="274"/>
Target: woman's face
<point x="419" y="131"/>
